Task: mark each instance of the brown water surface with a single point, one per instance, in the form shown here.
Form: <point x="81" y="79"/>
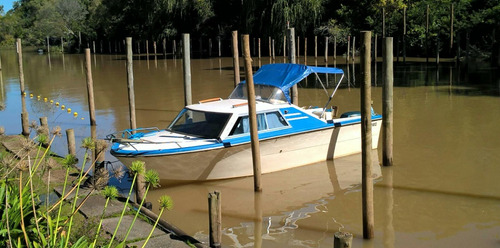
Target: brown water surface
<point x="443" y="190"/>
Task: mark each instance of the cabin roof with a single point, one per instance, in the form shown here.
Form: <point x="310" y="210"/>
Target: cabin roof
<point x="237" y="106"/>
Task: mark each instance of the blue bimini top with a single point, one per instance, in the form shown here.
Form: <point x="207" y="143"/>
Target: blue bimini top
<point x="285" y="76"/>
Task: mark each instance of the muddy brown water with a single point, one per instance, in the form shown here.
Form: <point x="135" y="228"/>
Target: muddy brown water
<point x="443" y="190"/>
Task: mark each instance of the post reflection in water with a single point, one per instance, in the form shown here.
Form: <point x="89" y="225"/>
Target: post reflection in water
<point x="443" y="190"/>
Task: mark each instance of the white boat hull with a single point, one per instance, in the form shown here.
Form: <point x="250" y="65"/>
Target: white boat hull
<point x="276" y="154"/>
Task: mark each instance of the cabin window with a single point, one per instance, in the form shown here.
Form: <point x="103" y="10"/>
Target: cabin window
<point x="201" y="124"/>
<point x="265" y="121"/>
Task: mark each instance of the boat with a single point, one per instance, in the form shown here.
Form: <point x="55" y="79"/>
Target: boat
<point x="210" y="140"/>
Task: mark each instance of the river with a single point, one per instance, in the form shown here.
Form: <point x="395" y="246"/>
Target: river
<point x="443" y="190"/>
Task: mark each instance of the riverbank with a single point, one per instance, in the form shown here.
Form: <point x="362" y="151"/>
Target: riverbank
<point x="51" y="177"/>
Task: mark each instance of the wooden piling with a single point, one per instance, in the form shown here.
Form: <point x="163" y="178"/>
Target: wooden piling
<point x="174" y="48"/>
<point x="298" y="47"/>
<point x="154" y="48"/>
<point x="186" y="65"/>
<point x="305" y="50"/>
<point x="291" y="59"/>
<point x="252" y="114"/>
<point x="284" y="46"/>
<point x="427" y="35"/>
<point x="366" y="136"/>
<point x="70" y="138"/>
<point x="164" y="46"/>
<point x="270" y="54"/>
<point x="348" y="48"/>
<point x="210" y="47"/>
<point x="25" y="122"/>
<point x="354" y="49"/>
<point x="236" y="58"/>
<point x="274" y="51"/>
<point x="93" y="46"/>
<point x="326" y="49"/>
<point x="258" y="46"/>
<point x="48" y="45"/>
<point x="451" y="25"/>
<point x="62" y="45"/>
<point x="130" y="83"/>
<point x="20" y="64"/>
<point x="342" y="240"/>
<point x="335" y="48"/>
<point x="147" y="49"/>
<point x="383" y="22"/>
<point x="315" y="47"/>
<point x="387" y="98"/>
<point x="90" y="87"/>
<point x="215" y="219"/>
<point x="404" y="35"/>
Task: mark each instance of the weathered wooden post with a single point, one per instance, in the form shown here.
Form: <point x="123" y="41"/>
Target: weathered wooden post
<point x="258" y="46"/>
<point x="252" y="114"/>
<point x="154" y="48"/>
<point x="215" y="219"/>
<point x="270" y="53"/>
<point x="383" y="22"/>
<point x="366" y="137"/>
<point x="451" y="26"/>
<point x="186" y="65"/>
<point x="130" y="83"/>
<point x="219" y="45"/>
<point x="387" y="93"/>
<point x="210" y="47"/>
<point x="174" y="48"/>
<point x="147" y="49"/>
<point x="354" y="49"/>
<point x="375" y="50"/>
<point x="284" y="46"/>
<point x="348" y="48"/>
<point x="70" y="137"/>
<point x="274" y="54"/>
<point x="236" y="58"/>
<point x="437" y="50"/>
<point x="90" y="86"/>
<point x="298" y="47"/>
<point x="315" y="47"/>
<point x="25" y="124"/>
<point x="93" y="46"/>
<point x="342" y="240"/>
<point x="326" y="49"/>
<point x="335" y="48"/>
<point x="110" y="51"/>
<point x="62" y="45"/>
<point x="20" y="63"/>
<point x="291" y="59"/>
<point x="164" y="46"/>
<point x="48" y="45"/>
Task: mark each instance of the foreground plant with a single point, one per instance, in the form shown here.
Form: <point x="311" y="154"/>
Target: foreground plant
<point x="152" y="180"/>
<point x="136" y="169"/>
<point x="110" y="192"/>
<point x="165" y="203"/>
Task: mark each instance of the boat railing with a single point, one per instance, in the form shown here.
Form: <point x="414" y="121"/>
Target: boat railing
<point x="130" y="134"/>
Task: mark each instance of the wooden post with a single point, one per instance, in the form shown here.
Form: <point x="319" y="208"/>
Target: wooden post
<point x="70" y="137"/>
<point x="154" y="48"/>
<point x="291" y="59"/>
<point x="100" y="46"/>
<point x="284" y="46"/>
<point x="25" y="124"/>
<point x="342" y="240"/>
<point x="20" y="63"/>
<point x="90" y="86"/>
<point x="348" y="48"/>
<point x="375" y="51"/>
<point x="437" y="49"/>
<point x="252" y="114"/>
<point x="366" y="137"/>
<point x="130" y="83"/>
<point x="219" y="45"/>
<point x="354" y="48"/>
<point x="48" y="45"/>
<point x="62" y="45"/>
<point x="93" y="46"/>
<point x="259" y="46"/>
<point x="315" y="47"/>
<point x="174" y="48"/>
<point x="186" y="65"/>
<point x="210" y="47"/>
<point x="164" y="46"/>
<point x="335" y="48"/>
<point x="387" y="93"/>
<point x="236" y="59"/>
<point x="254" y="47"/>
<point x="326" y="49"/>
<point x="215" y="219"/>
<point x="110" y="51"/>
<point x="270" y="54"/>
<point x="44" y="124"/>
<point x="404" y="35"/>
<point x="274" y="54"/>
<point x="147" y="49"/>
<point x="298" y="47"/>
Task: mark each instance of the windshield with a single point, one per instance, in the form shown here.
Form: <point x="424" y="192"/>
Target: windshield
<point x="262" y="92"/>
<point x="200" y="124"/>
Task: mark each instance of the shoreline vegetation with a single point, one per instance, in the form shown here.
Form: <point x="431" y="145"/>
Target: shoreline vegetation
<point x="84" y="213"/>
<point x="420" y="28"/>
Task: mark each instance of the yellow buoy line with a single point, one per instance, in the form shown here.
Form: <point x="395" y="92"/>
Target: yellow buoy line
<point x="63" y="107"/>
